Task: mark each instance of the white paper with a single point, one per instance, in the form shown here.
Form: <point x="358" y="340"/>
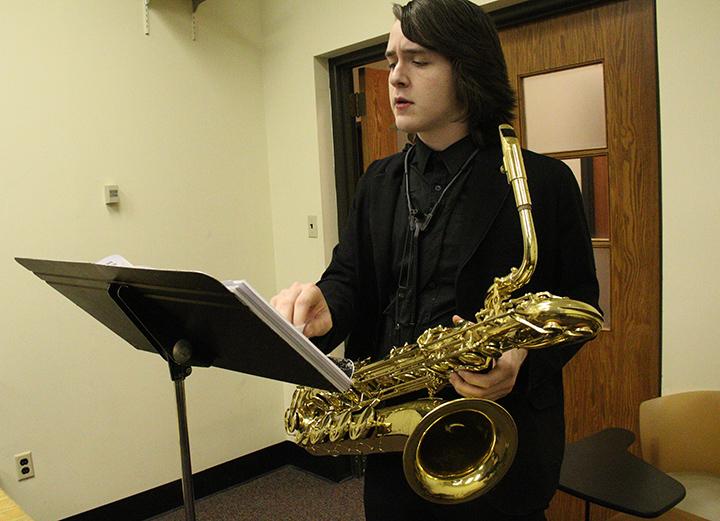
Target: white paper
<point x="290" y="333"/>
<point x="115" y="260"/>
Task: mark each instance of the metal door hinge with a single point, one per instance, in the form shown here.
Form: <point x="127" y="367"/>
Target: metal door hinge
<point x="357" y="104"/>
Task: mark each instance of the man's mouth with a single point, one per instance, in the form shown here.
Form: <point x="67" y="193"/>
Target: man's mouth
<point x="402" y="103"/>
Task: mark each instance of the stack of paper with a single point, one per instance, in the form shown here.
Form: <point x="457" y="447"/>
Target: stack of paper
<point x="278" y="323"/>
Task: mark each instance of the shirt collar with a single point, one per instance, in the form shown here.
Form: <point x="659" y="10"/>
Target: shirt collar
<point x="452" y="157"/>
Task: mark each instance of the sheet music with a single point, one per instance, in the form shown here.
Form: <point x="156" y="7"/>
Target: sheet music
<point x="291" y="334"/>
<point x="115" y="260"/>
<point x="120" y="262"/>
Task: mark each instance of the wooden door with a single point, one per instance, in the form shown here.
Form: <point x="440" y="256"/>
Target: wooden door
<point x="377" y="122"/>
<point x="607" y="380"/>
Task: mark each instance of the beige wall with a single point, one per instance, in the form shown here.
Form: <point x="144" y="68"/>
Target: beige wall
<point x="688" y="50"/>
<point x="297" y="112"/>
<point x="87" y="99"/>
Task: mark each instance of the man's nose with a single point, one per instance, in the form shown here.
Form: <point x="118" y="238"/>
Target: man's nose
<point x="397" y="77"/>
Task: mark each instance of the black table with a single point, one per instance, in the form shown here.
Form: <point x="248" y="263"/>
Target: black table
<point x="600" y="470"/>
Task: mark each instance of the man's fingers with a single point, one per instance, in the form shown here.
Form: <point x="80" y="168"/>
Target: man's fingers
<point x="305" y="307"/>
<point x="284" y="302"/>
<point x="491" y="386"/>
<point x="482" y="380"/>
<point x="466" y="389"/>
<point x="319" y="325"/>
<point x="462" y="388"/>
<point x="457" y="320"/>
<point x="494" y="384"/>
<point x="312" y="312"/>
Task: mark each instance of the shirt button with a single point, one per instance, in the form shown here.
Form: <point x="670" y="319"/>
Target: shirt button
<point x="437" y="188"/>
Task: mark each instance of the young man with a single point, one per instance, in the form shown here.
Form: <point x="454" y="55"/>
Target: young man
<point x="430" y="228"/>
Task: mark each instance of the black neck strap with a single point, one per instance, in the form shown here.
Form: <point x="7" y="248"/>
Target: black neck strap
<point x="419" y="222"/>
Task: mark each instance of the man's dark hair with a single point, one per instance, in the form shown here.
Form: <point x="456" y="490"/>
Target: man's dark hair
<point x="465" y="35"/>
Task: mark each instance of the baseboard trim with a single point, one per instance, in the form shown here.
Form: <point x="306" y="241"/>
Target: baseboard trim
<point x="164" y="498"/>
<point x="333" y="468"/>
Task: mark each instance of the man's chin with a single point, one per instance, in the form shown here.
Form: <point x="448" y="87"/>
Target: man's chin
<point x="405" y="126"/>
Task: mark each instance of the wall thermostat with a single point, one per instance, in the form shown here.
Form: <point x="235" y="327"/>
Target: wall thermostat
<point x="112" y="194"/>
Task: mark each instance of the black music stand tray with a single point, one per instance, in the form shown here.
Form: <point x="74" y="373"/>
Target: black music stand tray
<point x="188" y="318"/>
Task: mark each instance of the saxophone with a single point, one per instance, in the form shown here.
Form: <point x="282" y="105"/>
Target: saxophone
<point x="453" y="451"/>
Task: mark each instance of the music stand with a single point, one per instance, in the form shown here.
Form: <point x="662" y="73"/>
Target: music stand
<point x="188" y="318"/>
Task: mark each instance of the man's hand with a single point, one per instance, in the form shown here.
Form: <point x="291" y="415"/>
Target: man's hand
<point x="304" y="305"/>
<point x="494" y="384"/>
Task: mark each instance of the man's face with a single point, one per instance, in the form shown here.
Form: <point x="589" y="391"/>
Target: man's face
<point x="422" y="91"/>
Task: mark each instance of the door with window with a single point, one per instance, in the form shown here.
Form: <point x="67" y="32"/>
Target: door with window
<point x="587" y="94"/>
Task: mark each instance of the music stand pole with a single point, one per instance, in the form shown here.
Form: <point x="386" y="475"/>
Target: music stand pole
<point x="181" y="354"/>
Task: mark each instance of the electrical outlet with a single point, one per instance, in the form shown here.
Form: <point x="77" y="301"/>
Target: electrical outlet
<point x="24" y="466"/>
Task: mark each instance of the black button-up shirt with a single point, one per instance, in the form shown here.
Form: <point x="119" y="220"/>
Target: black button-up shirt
<point x="426" y="298"/>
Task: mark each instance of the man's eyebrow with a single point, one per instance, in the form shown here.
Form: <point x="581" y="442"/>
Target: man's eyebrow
<point x="411" y="51"/>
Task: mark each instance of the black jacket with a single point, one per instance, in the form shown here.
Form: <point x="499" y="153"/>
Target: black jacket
<point x="357" y="286"/>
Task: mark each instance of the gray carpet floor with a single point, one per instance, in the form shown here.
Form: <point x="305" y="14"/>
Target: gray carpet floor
<point x="286" y="494"/>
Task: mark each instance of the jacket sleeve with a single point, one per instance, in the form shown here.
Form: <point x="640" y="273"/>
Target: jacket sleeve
<point x="573" y="274"/>
<point x="342" y="281"/>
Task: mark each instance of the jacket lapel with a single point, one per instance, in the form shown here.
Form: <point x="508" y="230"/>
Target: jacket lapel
<point x="483" y="196"/>
<point x="385" y="189"/>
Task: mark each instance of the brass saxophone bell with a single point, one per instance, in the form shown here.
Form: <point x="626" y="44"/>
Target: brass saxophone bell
<point x="460" y="450"/>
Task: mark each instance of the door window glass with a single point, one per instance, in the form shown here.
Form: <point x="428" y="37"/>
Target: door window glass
<point x="565" y="110"/>
<point x="602" y="265"/>
<point x="591" y="173"/>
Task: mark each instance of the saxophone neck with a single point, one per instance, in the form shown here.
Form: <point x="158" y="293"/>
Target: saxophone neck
<point x="514" y="169"/>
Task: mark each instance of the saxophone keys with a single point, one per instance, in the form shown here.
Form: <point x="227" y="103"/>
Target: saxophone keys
<point x="315" y="435"/>
<point x="552" y="326"/>
<point x="362" y="423"/>
<point x="580" y="332"/>
<point x="320" y="429"/>
<point x="291" y="421"/>
<point x="537" y="329"/>
<point x="340" y="426"/>
<point x="301" y="437"/>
